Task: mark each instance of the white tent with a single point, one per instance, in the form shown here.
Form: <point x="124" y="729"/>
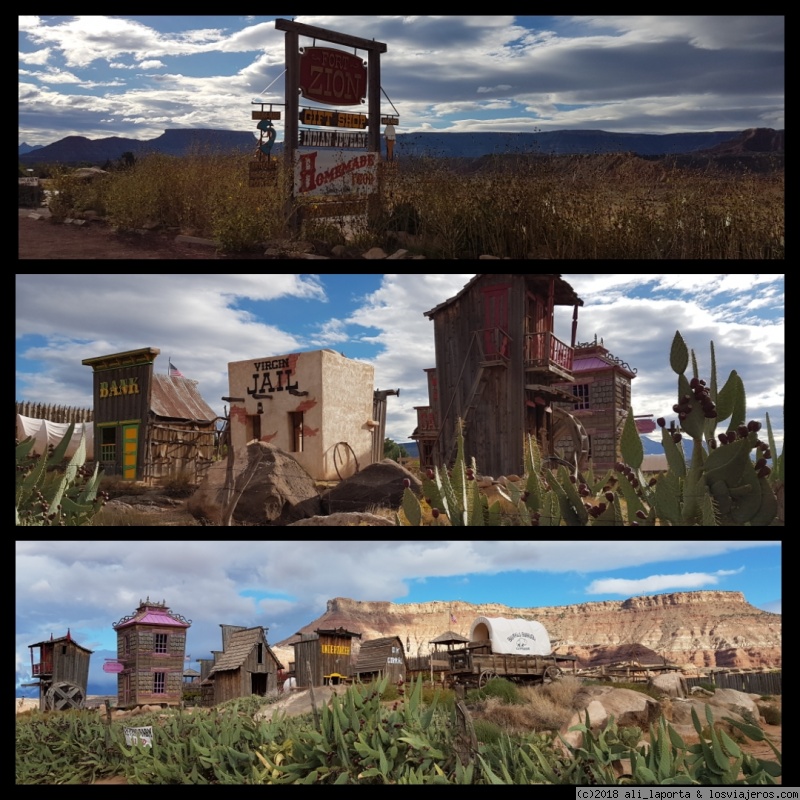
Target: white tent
<point x="46" y="433"/>
<point x="512" y="636"/>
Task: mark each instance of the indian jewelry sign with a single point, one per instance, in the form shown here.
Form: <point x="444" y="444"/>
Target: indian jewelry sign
<point x="333" y="77"/>
<point x="315" y="138"/>
<point x="331" y="172"/>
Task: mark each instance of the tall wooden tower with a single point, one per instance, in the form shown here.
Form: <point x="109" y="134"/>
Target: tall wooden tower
<point x="63" y="673"/>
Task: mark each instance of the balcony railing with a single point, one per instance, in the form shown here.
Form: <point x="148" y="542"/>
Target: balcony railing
<point x="545" y="351"/>
<point x="45" y="668"/>
<point x="426" y="421"/>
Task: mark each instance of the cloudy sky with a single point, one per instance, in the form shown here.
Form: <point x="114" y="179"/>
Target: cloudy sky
<point x="88" y="586"/>
<point x="202" y="322"/>
<point x="134" y="76"/>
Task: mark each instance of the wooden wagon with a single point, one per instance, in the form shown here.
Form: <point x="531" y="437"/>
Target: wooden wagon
<point x="518" y="650"/>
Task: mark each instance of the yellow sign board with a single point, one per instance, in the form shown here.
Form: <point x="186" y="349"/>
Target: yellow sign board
<point x="332" y="119"/>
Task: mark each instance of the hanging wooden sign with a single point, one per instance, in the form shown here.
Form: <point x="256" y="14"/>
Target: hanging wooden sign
<point x="266" y="114"/>
<point x="390" y="120"/>
<point x="263" y="173"/>
<point x="315" y="138"/>
<point x="333" y="77"/>
<point x="332" y="119"/>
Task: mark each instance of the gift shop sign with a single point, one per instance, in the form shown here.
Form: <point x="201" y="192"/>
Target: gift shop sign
<point x="332" y="76"/>
<point x="328" y="172"/>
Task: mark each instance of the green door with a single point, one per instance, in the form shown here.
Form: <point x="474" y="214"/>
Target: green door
<point x="130" y="451"/>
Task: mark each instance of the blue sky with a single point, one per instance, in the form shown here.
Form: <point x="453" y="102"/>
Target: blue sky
<point x="203" y="322"/>
<point x="134" y="76"/>
<point x="87" y="586"/>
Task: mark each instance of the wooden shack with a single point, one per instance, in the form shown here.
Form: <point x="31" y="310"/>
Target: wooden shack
<point x="601" y="401"/>
<point x="149" y="426"/>
<point x="151" y="644"/>
<point x="381" y="657"/>
<point x="246" y="665"/>
<point x="328" y="655"/>
<point x="498" y="363"/>
<point x="62" y="670"/>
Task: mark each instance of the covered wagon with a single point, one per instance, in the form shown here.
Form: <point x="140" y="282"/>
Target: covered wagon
<point x="516" y="649"/>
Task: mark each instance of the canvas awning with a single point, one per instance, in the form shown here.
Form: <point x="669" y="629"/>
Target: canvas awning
<point x="47" y="433"/>
<point x="512" y="636"/>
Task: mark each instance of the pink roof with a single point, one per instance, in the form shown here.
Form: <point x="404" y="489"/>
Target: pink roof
<point x="582" y="364"/>
<point x="153" y="616"/>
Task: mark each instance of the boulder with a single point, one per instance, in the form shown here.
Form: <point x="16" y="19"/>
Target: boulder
<point x="682" y="712"/>
<point x="346" y="520"/>
<point x="672" y="684"/>
<point x="598" y="716"/>
<point x="276" y="490"/>
<point x="376" y="486"/>
<point x="628" y="707"/>
<point x="738" y="702"/>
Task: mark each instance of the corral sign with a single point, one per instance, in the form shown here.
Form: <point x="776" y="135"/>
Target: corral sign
<point x="333" y="77"/>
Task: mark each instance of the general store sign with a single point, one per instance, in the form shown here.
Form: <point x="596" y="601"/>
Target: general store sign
<point x="333" y="77"/>
<point x="326" y="172"/>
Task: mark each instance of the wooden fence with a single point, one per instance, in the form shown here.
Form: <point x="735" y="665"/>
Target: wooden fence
<point x="54" y="413"/>
<point x="762" y="683"/>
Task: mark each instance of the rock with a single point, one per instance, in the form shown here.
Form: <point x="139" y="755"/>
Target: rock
<point x="375" y="252"/>
<point x="628" y="707"/>
<point x="484" y="258"/>
<point x="739" y="702"/>
<point x="314" y="255"/>
<point x="378" y="485"/>
<point x="346" y="520"/>
<point x="682" y="712"/>
<point x="280" y="491"/>
<point x="672" y="684"/>
<point x="597" y="719"/>
<point x="397" y="254"/>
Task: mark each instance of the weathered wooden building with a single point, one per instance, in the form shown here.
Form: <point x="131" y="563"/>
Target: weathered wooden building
<point x="326" y="655"/>
<point x="602" y="399"/>
<point x="499" y="368"/>
<point x="317" y="406"/>
<point x="149" y="426"/>
<point x="245" y="666"/>
<point x="62" y="670"/>
<point x="378" y="658"/>
<point x="151" y="644"/>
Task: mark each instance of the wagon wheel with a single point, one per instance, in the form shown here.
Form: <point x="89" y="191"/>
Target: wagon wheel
<point x="485" y="677"/>
<point x="64" y="695"/>
<point x="551" y="674"/>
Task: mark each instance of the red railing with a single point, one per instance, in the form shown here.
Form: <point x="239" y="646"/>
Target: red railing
<point x="426" y="421"/>
<point x="45" y="668"/>
<point x="544" y="350"/>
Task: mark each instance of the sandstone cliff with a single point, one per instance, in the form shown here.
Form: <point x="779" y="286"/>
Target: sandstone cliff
<point x="703" y="629"/>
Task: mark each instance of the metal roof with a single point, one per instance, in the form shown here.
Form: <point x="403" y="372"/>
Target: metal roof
<point x="564" y="293"/>
<point x="153" y="614"/>
<point x="179" y="399"/>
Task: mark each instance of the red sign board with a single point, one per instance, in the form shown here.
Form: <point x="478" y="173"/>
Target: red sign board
<point x="333" y="77"/>
<point x="113" y="666"/>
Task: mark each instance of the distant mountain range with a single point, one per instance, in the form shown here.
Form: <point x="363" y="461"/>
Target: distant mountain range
<point x="174" y="142"/>
<point x="448" y="145"/>
<point x="27" y="148"/>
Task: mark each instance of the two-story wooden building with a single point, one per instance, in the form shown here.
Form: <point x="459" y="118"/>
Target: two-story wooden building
<point x="498" y="363"/>
<point x="151" y="644"/>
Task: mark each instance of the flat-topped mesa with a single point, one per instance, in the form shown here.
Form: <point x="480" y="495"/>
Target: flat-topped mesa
<point x="702" y="628"/>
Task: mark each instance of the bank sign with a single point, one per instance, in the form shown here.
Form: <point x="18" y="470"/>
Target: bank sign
<point x="333" y="77"/>
<point x="334" y="172"/>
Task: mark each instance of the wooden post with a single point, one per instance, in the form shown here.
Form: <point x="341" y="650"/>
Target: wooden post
<point x="374" y="100"/>
<point x="313" y="699"/>
<point x="292" y="120"/>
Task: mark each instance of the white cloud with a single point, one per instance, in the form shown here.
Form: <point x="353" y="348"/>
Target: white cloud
<point x="658" y="583"/>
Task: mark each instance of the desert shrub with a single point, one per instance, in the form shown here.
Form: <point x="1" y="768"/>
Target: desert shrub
<point x="563" y="692"/>
<point x="487" y="732"/>
<point x="709" y="687"/>
<point x="502" y="689"/>
<point x="181" y="485"/>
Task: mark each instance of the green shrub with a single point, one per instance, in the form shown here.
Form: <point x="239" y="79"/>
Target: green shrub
<point x="771" y="714"/>
<point x="488" y="732"/>
<point x="503" y="689"/>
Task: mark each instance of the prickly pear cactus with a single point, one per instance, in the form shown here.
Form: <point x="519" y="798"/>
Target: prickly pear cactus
<point x="46" y="496"/>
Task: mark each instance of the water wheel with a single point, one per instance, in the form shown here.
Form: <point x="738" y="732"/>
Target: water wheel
<point x="64" y="695"/>
<point x="486" y="676"/>
<point x="567" y="428"/>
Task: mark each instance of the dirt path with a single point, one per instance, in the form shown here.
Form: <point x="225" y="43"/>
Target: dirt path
<point x="43" y="239"/>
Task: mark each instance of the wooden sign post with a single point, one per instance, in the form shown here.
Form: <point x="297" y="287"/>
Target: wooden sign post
<point x="328" y="76"/>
